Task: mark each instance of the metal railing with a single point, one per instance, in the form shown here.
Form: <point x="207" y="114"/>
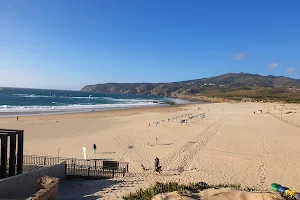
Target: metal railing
<point x="41" y="160"/>
<point x="97" y="168"/>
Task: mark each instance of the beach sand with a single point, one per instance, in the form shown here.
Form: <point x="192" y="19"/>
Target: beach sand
<point x="230" y="145"/>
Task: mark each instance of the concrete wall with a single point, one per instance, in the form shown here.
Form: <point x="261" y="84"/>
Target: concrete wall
<point x="24" y="185"/>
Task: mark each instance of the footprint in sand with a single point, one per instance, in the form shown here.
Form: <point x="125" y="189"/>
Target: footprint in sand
<point x="262" y="175"/>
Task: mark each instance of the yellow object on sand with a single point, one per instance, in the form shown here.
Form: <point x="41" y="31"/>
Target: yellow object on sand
<point x="290" y="193"/>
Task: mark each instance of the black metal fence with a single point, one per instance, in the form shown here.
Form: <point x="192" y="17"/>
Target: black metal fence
<point x="91" y="168"/>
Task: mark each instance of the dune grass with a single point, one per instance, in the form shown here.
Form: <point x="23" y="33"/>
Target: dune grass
<point x="158" y="188"/>
<point x="185" y="189"/>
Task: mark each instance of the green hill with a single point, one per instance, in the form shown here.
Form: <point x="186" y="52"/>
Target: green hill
<point x="229" y="86"/>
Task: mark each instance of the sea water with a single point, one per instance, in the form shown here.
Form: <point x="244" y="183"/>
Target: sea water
<point x="21" y="101"/>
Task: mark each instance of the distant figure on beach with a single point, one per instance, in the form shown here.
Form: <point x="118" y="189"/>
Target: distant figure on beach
<point x="156" y="140"/>
<point x="94" y="147"/>
<point x="157" y="168"/>
<point x="156" y="163"/>
<point x="17" y="118"/>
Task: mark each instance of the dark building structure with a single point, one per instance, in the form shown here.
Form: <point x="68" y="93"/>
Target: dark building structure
<point x="15" y="158"/>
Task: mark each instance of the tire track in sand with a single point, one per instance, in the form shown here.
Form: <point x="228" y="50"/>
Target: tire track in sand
<point x="185" y="155"/>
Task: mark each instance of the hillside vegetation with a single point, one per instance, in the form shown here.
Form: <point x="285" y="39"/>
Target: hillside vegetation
<point x="234" y="86"/>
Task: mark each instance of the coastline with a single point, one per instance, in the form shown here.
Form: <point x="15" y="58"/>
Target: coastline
<point x="40" y="107"/>
<point x="10" y="115"/>
<point x="60" y="112"/>
<point x="24" y="102"/>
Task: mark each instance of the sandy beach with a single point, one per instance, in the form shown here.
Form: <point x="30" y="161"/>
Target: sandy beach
<point x="230" y="145"/>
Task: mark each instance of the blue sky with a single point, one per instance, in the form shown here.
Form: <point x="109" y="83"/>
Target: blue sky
<point x="66" y="44"/>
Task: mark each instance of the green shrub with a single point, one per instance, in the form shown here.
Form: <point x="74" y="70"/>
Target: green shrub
<point x="159" y="188"/>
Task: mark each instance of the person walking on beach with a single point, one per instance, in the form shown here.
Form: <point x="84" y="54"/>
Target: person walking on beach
<point x="156" y="163"/>
<point x="17" y="118"/>
<point x="157" y="167"/>
<point x="94" y="147"/>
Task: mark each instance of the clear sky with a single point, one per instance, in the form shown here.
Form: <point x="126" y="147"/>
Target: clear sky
<point x="66" y="44"/>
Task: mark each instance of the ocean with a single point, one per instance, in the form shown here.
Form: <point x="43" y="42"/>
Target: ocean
<point x="21" y="101"/>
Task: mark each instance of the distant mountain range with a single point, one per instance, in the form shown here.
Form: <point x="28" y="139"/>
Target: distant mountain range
<point x="235" y="86"/>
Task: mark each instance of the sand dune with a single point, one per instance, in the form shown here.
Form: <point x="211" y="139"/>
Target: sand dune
<point x="231" y="145"/>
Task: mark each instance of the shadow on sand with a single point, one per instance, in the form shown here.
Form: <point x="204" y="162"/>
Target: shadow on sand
<point x="165" y="144"/>
<point x="160" y="144"/>
<point x="83" y="189"/>
<point x="107" y="152"/>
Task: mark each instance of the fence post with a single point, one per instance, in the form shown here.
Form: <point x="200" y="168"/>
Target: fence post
<point x="89" y="171"/>
<point x="113" y="174"/>
<point x="66" y="169"/>
<point x="95" y="164"/>
<point x="45" y="161"/>
<point x="127" y="166"/>
<point x="73" y="166"/>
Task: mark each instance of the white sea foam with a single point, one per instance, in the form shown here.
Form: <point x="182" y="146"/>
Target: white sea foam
<point x="75" y="107"/>
<point x="178" y="101"/>
<point x="32" y="95"/>
<point x="70" y="97"/>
